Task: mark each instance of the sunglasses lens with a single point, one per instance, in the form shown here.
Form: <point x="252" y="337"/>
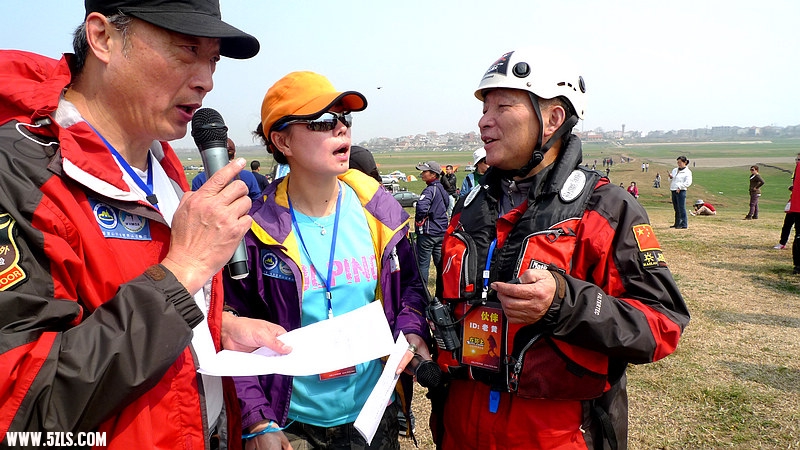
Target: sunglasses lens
<point x="326" y="122"/>
<point x="323" y="123"/>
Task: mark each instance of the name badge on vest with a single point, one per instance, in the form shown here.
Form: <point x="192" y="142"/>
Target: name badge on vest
<point x="481" y="341"/>
<point x="117" y="224"/>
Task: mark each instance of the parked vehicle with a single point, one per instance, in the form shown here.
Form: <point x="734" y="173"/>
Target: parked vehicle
<point x="397" y="175"/>
<point x="407" y="198"/>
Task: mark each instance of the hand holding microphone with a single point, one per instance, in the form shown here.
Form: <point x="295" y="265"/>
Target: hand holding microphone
<point x="426" y="371"/>
<point x="207" y="227"/>
<point x="211" y="136"/>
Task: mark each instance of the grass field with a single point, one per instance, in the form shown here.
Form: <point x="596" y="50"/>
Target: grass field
<point x="734" y="381"/>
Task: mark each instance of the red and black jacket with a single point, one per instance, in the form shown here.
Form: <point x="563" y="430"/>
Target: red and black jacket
<point x="95" y="334"/>
<point x="620" y="304"/>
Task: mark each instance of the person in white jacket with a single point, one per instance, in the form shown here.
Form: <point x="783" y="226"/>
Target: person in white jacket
<point x="679" y="181"/>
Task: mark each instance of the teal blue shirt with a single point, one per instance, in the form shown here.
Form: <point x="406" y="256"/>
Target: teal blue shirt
<point x="338" y="400"/>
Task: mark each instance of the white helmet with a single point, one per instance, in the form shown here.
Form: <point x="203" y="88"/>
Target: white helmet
<point x="545" y="74"/>
<point x="478" y="155"/>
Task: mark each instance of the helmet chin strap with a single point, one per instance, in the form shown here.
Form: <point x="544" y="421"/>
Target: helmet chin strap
<point x="539" y="150"/>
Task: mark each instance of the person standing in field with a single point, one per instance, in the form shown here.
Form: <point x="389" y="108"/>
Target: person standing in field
<point x="680" y="180"/>
<point x="755" y="192"/>
<point x="450" y="184"/>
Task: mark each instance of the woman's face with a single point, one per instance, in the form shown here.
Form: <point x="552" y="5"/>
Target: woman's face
<point x="318" y="152"/>
<point x="681" y="164"/>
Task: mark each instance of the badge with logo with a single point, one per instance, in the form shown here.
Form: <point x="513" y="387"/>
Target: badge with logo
<point x="274" y="267"/>
<point x="499" y="67"/>
<point x="11" y="273"/>
<point x="650" y="252"/>
<point x="573" y="187"/>
<point x="118" y="224"/>
<point x="481" y="342"/>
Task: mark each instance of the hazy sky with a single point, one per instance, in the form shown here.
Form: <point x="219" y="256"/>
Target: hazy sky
<point x="648" y="65"/>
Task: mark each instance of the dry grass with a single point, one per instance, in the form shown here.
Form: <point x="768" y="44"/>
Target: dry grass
<point x="734" y="381"/>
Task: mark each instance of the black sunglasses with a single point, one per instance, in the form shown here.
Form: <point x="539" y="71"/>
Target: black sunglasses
<point x="325" y="122"/>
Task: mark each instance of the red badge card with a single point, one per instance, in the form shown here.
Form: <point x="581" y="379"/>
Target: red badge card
<point x="337" y="373"/>
<point x="482" y="333"/>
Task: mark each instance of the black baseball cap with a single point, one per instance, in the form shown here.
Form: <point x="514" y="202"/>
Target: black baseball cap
<point x="192" y="17"/>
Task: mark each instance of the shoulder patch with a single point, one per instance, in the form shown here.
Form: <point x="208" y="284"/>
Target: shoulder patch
<point x="11" y="273"/>
<point x="573" y="187"/>
<point x="645" y="237"/>
<point x="649" y="249"/>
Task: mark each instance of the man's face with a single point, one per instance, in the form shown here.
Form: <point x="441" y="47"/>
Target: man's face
<point x="159" y="79"/>
<point x="509" y="128"/>
<point x="449" y="170"/>
<point x="427" y="176"/>
<point x="482" y="167"/>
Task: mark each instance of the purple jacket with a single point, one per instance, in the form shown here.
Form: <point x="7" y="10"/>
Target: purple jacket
<point x="271" y="242"/>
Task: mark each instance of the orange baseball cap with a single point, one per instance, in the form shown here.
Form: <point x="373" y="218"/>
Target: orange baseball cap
<point x="304" y="95"/>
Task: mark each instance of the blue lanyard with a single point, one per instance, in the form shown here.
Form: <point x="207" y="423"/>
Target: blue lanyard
<point x="325" y="281"/>
<point x="486" y="269"/>
<point x="147" y="188"/>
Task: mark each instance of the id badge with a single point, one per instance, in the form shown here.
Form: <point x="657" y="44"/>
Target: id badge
<point x="337" y="373"/>
<point x="481" y="341"/>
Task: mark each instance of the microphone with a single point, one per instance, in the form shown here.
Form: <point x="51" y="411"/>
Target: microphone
<point x="425" y="371"/>
<point x="211" y="137"/>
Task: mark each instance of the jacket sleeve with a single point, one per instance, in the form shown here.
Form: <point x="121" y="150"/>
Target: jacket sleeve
<point x="759" y="182"/>
<point x="686" y="181"/>
<point x="62" y="373"/>
<point x="620" y="298"/>
<point x="446" y="183"/>
<point x="260" y="397"/>
<point x="423" y="204"/>
<point x="412" y="297"/>
<point x="466" y="186"/>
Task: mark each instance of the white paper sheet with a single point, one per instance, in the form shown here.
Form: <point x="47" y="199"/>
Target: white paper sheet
<point x="343" y="341"/>
<point x="371" y="413"/>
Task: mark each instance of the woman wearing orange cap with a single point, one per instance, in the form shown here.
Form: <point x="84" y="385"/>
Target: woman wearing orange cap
<point x="325" y="241"/>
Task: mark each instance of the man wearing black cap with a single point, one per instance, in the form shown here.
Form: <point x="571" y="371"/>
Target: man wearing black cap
<point x="107" y="264"/>
<point x="430" y="218"/>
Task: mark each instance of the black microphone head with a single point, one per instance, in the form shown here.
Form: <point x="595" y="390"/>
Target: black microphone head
<point x="428" y="374"/>
<point x="208" y="129"/>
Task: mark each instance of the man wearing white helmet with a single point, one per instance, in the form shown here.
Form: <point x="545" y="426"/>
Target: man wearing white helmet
<point x="556" y="267"/>
<point x="474" y="178"/>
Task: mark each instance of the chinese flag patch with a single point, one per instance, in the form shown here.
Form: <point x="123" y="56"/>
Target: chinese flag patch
<point x="645" y="238"/>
